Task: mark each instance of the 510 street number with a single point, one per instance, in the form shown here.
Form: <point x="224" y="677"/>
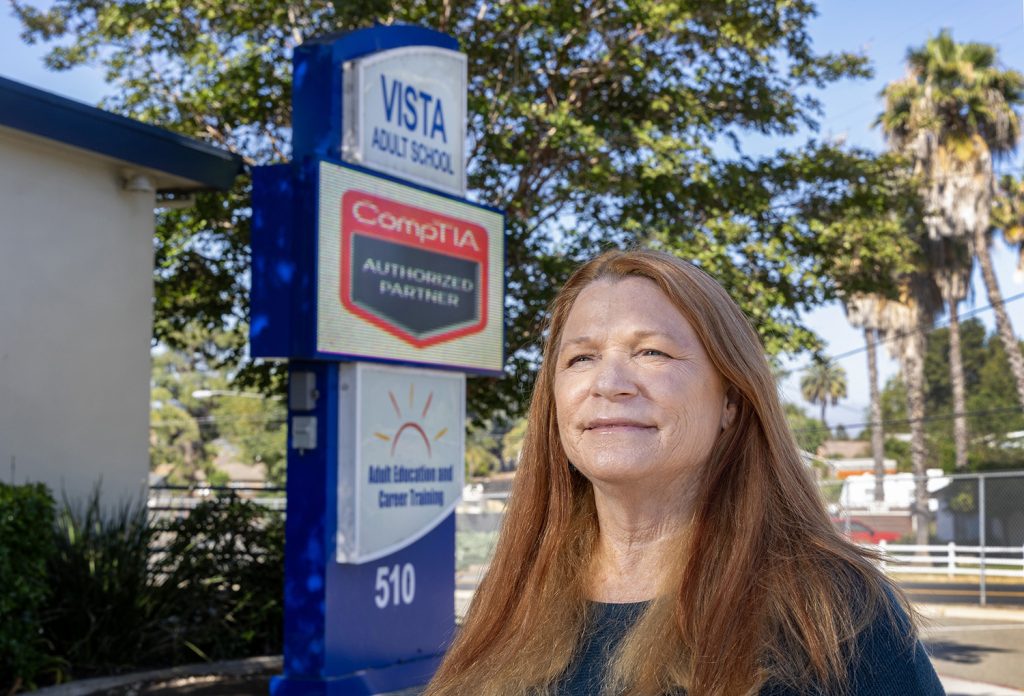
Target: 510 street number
<point x="395" y="585"/>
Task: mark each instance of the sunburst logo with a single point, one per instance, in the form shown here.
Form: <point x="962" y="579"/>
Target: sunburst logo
<point x="411" y="425"/>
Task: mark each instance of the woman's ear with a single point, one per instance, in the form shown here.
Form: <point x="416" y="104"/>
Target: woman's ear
<point x="729" y="406"/>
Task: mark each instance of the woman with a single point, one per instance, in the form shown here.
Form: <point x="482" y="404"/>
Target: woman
<point x="663" y="535"/>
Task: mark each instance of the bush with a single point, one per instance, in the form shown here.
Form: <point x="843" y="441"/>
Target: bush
<point x="128" y="594"/>
<point x="104" y="615"/>
<point x="224" y="567"/>
<point x="26" y="542"/>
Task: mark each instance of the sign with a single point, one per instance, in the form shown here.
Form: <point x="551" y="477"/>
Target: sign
<point x="409" y="275"/>
<point x="364" y="248"/>
<point x="401" y="472"/>
<point x="419" y="275"/>
<point x="405" y="114"/>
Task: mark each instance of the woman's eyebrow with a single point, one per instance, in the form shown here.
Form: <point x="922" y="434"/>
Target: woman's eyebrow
<point x="576" y="340"/>
<point x="652" y="334"/>
<point x="640" y="334"/>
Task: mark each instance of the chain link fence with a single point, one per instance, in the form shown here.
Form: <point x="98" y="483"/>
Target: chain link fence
<point x="971" y="529"/>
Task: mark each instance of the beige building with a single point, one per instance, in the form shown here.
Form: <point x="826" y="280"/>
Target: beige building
<point x="78" y="189"/>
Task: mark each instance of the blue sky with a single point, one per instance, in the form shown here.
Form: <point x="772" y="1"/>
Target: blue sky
<point x="882" y="30"/>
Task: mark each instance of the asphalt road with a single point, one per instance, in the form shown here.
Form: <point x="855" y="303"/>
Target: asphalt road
<point x="969" y="652"/>
<point x="1001" y="594"/>
<point x="989" y="650"/>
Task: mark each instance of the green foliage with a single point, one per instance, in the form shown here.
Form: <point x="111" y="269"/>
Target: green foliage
<point x="938" y="389"/>
<point x="1002" y="509"/>
<point x="127" y="594"/>
<point x="894" y="405"/>
<point x="832" y="492"/>
<point x="223" y="565"/>
<point x="1008" y="213"/>
<point x="255" y="429"/>
<point x="493" y="445"/>
<point x="823" y="382"/>
<point x="26" y="543"/>
<point x="991" y="401"/>
<point x="898" y="451"/>
<point x="809" y="432"/>
<point x="594" y="126"/>
<point x="957" y="91"/>
<point x="177" y="441"/>
<point x="189" y="430"/>
<point x="103" y="616"/>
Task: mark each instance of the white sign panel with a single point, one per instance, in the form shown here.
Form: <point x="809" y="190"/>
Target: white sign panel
<point x="409" y="275"/>
<point x="405" y="115"/>
<point x="401" y="462"/>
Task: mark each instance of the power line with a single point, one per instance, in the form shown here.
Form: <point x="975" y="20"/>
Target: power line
<point x="907" y="421"/>
<point x="895" y="336"/>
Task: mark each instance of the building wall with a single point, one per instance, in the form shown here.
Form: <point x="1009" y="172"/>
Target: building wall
<point x="76" y="286"/>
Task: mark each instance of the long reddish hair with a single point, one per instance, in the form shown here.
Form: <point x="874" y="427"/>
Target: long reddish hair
<point x="762" y="582"/>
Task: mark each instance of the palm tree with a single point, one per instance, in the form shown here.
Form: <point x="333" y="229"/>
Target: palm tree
<point x="953" y="112"/>
<point x="906" y="323"/>
<point x="865" y="311"/>
<point x="951" y="261"/>
<point x="824" y="381"/>
<point x="1008" y="215"/>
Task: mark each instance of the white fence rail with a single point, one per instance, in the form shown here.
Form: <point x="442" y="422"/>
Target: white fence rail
<point x="954" y="559"/>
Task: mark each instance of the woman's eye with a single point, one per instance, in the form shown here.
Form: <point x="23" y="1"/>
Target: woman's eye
<point x="653" y="352"/>
<point x="577" y="359"/>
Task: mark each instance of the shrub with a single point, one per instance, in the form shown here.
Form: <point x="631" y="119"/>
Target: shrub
<point x="129" y="594"/>
<point x="224" y="567"/>
<point x="103" y="616"/>
<point x="26" y="542"/>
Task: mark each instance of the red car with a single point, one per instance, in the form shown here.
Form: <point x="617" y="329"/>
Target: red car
<point x="860" y="532"/>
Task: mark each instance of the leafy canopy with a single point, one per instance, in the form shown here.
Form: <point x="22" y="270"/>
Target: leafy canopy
<point x="992" y="407"/>
<point x="958" y="92"/>
<point x="595" y="124"/>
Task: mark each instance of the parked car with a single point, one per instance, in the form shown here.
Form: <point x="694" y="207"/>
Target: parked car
<point x="860" y="532"/>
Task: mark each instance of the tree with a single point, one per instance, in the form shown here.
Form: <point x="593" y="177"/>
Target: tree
<point x="823" y="381"/>
<point x="493" y="446"/>
<point x="992" y="405"/>
<point x="954" y="112"/>
<point x="188" y="429"/>
<point x="882" y="210"/>
<point x="253" y="428"/>
<point x="180" y="438"/>
<point x="592" y="127"/>
<point x="810" y="433"/>
<point x="1008" y="215"/>
<point x="863" y="311"/>
<point x="906" y="322"/>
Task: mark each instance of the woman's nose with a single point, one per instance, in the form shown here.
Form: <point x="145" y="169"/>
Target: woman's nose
<point x="614" y="377"/>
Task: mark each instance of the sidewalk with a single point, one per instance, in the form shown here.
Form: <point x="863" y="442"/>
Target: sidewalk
<point x="962" y="687"/>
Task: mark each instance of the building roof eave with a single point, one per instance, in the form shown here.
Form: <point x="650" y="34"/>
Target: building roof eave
<point x="63" y="120"/>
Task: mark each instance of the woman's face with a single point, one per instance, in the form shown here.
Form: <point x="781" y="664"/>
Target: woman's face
<point x="636" y="396"/>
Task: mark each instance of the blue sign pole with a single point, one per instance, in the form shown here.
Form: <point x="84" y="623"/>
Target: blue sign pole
<point x="350" y="627"/>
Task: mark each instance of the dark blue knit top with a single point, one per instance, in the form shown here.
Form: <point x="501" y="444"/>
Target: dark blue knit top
<point x="886" y="664"/>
